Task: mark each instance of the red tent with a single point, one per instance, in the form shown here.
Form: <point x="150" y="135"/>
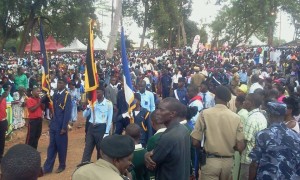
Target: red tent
<point x="52" y="45"/>
<point x="35" y="46"/>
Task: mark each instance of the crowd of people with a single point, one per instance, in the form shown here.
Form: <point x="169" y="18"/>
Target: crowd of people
<point x="231" y="114"/>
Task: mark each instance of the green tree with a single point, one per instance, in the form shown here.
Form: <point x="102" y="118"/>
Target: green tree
<point x="142" y="16"/>
<point x="241" y="19"/>
<point x="128" y="43"/>
<point x="8" y="24"/>
<point x="63" y="18"/>
<point x="203" y="35"/>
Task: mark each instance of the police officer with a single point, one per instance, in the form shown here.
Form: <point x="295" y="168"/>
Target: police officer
<point x="62" y="105"/>
<point x="117" y="153"/>
<point x="141" y="117"/>
<point x="99" y="124"/>
<point x="223" y="132"/>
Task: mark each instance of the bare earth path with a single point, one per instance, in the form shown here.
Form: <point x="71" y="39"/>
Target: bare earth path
<point x="75" y="148"/>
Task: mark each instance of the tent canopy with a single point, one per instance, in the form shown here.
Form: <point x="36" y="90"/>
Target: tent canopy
<point x="52" y="45"/>
<point x="75" y="45"/>
<point x="253" y="41"/>
<point x="99" y="44"/>
<point x="35" y="46"/>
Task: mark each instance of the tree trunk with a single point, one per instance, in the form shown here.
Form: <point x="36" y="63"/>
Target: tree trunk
<point x="271" y="35"/>
<point x="183" y="32"/>
<point x="143" y="37"/>
<point x="178" y="36"/>
<point x="114" y="30"/>
<point x="28" y="26"/>
<point x="2" y="43"/>
<point x="170" y="39"/>
<point x="145" y="24"/>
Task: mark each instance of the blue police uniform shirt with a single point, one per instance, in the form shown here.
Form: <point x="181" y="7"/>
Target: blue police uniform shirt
<point x="147" y="101"/>
<point x="276" y="152"/>
<point x="103" y="114"/>
<point x="62" y="110"/>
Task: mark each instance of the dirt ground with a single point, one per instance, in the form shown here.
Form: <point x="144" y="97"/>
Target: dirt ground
<point x="75" y="148"/>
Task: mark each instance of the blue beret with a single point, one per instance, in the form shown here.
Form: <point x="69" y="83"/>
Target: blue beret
<point x="276" y="108"/>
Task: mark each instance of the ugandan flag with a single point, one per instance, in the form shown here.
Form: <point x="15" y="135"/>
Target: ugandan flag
<point x="91" y="77"/>
<point x="45" y="66"/>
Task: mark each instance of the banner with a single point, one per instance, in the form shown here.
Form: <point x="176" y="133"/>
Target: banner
<point x="45" y="68"/>
<point x="91" y="76"/>
<point x="195" y="43"/>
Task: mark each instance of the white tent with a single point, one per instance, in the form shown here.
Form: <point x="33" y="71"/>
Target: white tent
<point x="75" y="45"/>
<point x="99" y="44"/>
<point x="253" y="41"/>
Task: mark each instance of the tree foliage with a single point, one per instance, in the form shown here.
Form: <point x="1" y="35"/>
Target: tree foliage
<point x="164" y="17"/>
<point x="65" y="19"/>
<point x="241" y="19"/>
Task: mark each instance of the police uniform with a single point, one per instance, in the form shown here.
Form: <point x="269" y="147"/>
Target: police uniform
<point x="141" y="118"/>
<point x="222" y="129"/>
<point x="197" y="79"/>
<point x="62" y="105"/>
<point x="115" y="147"/>
<point x="100" y="170"/>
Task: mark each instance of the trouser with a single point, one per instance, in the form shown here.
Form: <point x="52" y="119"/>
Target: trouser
<point x="244" y="174"/>
<point x="175" y="85"/>
<point x="94" y="137"/>
<point x="120" y="125"/>
<point x="34" y="132"/>
<point x="58" y="145"/>
<point x="165" y="93"/>
<point x="217" y="169"/>
<point x="3" y="129"/>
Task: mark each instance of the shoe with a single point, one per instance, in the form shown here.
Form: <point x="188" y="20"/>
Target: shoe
<point x="69" y="127"/>
<point x="59" y="170"/>
<point x="43" y="173"/>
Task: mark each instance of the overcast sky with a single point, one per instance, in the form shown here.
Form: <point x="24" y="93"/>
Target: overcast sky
<point x="201" y="11"/>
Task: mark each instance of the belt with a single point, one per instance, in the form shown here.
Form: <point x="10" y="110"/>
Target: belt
<point x="217" y="156"/>
<point x="97" y="124"/>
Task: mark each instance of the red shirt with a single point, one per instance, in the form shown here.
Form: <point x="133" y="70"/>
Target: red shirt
<point x="3" y="114"/>
<point x="31" y="102"/>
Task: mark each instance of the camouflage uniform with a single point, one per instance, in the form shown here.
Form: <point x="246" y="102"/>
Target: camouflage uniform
<point x="277" y="153"/>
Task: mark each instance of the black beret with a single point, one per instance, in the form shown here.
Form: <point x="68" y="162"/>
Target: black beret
<point x="223" y="93"/>
<point x="73" y="83"/>
<point x="63" y="80"/>
<point x="117" y="146"/>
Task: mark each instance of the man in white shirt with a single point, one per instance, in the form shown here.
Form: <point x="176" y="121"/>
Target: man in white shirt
<point x="175" y="77"/>
<point x="147" y="97"/>
<point x="99" y="125"/>
<point x="255" y="83"/>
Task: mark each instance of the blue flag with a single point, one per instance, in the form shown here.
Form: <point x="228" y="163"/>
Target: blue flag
<point x="129" y="93"/>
